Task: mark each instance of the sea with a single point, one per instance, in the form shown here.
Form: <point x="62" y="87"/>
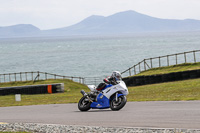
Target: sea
<point x="90" y="56"/>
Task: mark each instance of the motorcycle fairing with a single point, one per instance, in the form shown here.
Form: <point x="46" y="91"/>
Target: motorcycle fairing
<point x="121" y="87"/>
<point x="102" y="102"/>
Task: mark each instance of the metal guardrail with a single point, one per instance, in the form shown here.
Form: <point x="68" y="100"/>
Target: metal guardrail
<point x="37" y="75"/>
<point x="167" y="60"/>
<point x="34" y="76"/>
<point x="93" y="80"/>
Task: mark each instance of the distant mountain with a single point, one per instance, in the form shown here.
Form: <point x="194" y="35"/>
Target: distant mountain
<point x="119" y="23"/>
<point x="19" y="30"/>
<point x="128" y="22"/>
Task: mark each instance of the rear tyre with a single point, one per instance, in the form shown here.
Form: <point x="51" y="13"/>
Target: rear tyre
<point x="84" y="104"/>
<point x="117" y="105"/>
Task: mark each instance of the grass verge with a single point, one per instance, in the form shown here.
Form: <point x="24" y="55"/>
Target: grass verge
<point x="170" y="69"/>
<point x="170" y="91"/>
<point x="71" y="94"/>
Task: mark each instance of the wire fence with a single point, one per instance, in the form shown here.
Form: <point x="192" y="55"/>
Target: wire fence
<point x="37" y="75"/>
<point x="93" y="80"/>
<point x="34" y="76"/>
<point x="167" y="60"/>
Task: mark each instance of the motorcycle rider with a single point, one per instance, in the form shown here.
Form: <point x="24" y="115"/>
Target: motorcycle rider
<point x="113" y="79"/>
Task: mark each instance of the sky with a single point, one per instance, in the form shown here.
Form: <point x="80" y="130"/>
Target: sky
<point x="51" y="14"/>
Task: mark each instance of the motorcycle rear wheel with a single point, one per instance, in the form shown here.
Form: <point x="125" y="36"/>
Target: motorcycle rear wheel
<point x="84" y="104"/>
<point x="117" y="105"/>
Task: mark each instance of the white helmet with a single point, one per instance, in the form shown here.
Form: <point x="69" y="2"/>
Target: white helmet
<point x="116" y="75"/>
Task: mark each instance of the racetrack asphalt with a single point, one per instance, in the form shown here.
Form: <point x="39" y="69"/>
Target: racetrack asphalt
<point x="156" y="114"/>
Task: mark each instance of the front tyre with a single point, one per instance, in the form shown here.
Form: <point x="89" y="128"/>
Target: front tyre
<point x="84" y="104"/>
<point x="117" y="105"/>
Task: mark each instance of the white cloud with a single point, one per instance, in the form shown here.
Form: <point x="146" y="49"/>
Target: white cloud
<point x="47" y="14"/>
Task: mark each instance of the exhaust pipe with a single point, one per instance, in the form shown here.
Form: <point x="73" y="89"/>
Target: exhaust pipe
<point x="85" y="94"/>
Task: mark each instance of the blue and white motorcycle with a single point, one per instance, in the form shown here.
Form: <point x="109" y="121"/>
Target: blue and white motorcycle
<point x="112" y="96"/>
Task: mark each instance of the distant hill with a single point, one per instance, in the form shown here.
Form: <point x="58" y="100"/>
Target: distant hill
<point x="119" y="23"/>
<point x="19" y="30"/>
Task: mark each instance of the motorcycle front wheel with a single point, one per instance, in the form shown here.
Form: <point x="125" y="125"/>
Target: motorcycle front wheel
<point x="119" y="104"/>
<point x="84" y="104"/>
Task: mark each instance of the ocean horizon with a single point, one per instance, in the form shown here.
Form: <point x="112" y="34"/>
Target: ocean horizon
<point x="87" y="56"/>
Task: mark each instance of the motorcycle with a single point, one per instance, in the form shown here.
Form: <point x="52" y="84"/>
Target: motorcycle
<point x="112" y="96"/>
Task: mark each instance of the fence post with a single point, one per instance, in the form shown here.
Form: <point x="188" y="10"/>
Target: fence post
<point x="0" y="78"/>
<point x="176" y="60"/>
<point x="15" y="77"/>
<point x="159" y="62"/>
<point x="54" y="76"/>
<point x="32" y="76"/>
<point x="20" y="76"/>
<point x="194" y="57"/>
<point x="139" y="68"/>
<point x="26" y="75"/>
<point x="185" y="57"/>
<point x="167" y="60"/>
<point x="129" y="71"/>
<point x="4" y="78"/>
<point x="144" y="65"/>
<point x="9" y="78"/>
<point x="151" y="63"/>
<point x="83" y="80"/>
<point x="134" y="70"/>
<point x="45" y="75"/>
<point x="38" y="75"/>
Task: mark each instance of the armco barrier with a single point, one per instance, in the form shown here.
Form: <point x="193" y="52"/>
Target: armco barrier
<point x="33" y="89"/>
<point x="160" y="78"/>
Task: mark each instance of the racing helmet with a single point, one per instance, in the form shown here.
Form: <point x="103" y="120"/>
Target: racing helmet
<point x="116" y="75"/>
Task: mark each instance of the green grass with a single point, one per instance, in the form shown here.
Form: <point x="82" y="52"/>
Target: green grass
<point x="170" y="69"/>
<point x="170" y="91"/>
<point x="71" y="94"/>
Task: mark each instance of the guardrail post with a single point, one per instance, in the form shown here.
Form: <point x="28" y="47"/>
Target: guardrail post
<point x="167" y="60"/>
<point x="38" y="75"/>
<point x="159" y="62"/>
<point x="176" y="60"/>
<point x="15" y="77"/>
<point x="26" y="75"/>
<point x="129" y="71"/>
<point x="194" y="56"/>
<point x="45" y="75"/>
<point x="79" y="79"/>
<point x="4" y="78"/>
<point x="144" y="65"/>
<point x="83" y="80"/>
<point x="9" y="78"/>
<point x="20" y="76"/>
<point x="185" y="57"/>
<point x="139" y="68"/>
<point x="32" y="76"/>
<point x="134" y="70"/>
